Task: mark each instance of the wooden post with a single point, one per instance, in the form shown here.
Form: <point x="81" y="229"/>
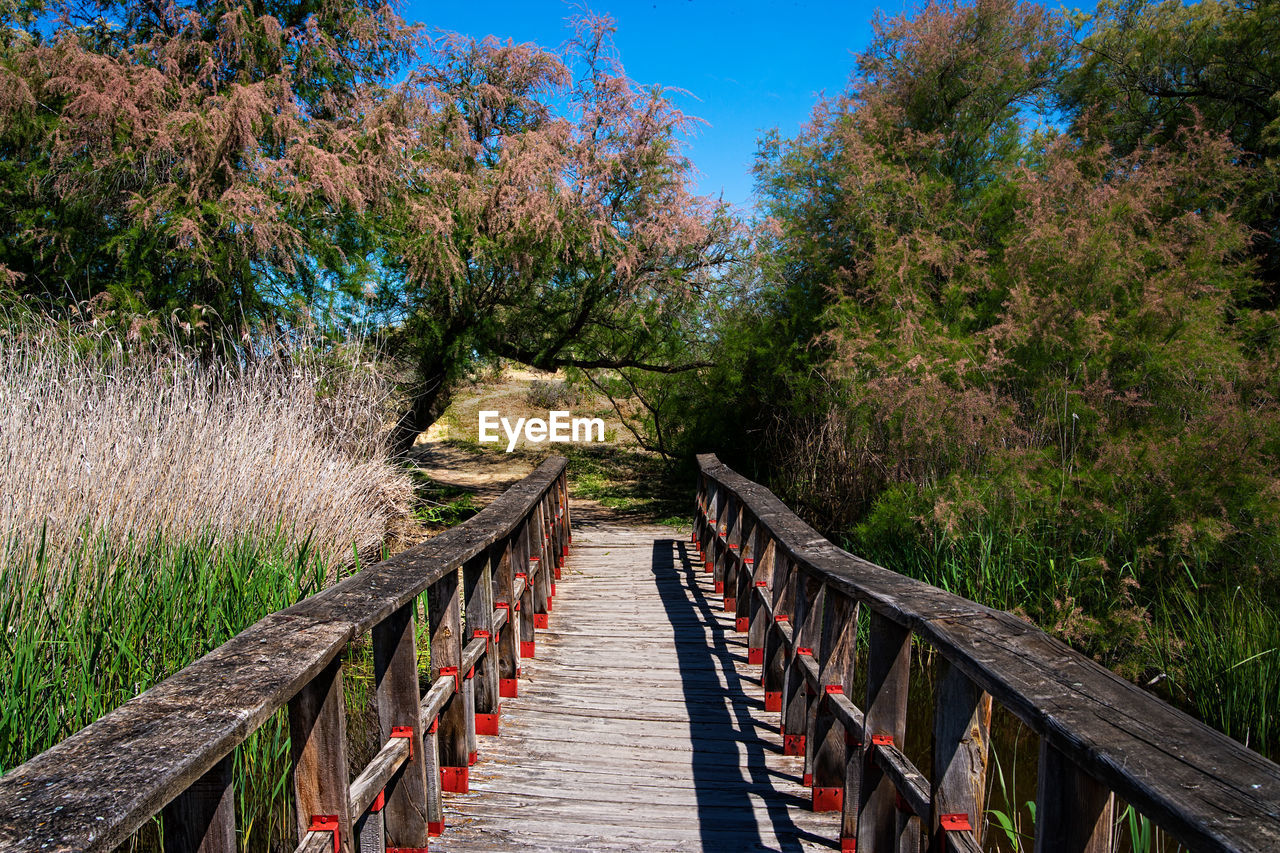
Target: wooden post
<point x="888" y="674"/>
<point x="775" y="656"/>
<point x="1073" y="810"/>
<point x="828" y="743"/>
<point x="395" y="671"/>
<point x="318" y="747"/>
<point x="446" y="657"/>
<point x="762" y="591"/>
<point x="431" y="769"/>
<point x="203" y="818"/>
<point x="522" y="555"/>
<point x="961" y="741"/>
<point x="795" y="690"/>
<point x="565" y="521"/>
<point x="538" y="571"/>
<point x="478" y="588"/>
<point x="734" y="552"/>
<point x="506" y="646"/>
<point x="724" y="522"/>
<point x="742" y="590"/>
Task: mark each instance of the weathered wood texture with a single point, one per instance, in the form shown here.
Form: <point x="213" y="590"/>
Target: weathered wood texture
<point x="1208" y="791"/>
<point x="638" y="727"/>
<point x="93" y="790"/>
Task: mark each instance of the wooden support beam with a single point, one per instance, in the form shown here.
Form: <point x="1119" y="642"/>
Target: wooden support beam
<point x="445" y="609"/>
<point x="1073" y="810"/>
<point x="828" y="741"/>
<point x="395" y="672"/>
<point x="318" y="748"/>
<point x="477" y="590"/>
<point x="761" y="598"/>
<point x="539" y="562"/>
<point x="888" y="674"/>
<point x="522" y="552"/>
<point x="961" y="743"/>
<point x="508" y="637"/>
<point x="203" y="818"/>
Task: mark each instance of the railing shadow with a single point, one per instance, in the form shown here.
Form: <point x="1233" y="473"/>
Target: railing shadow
<point x="731" y="787"/>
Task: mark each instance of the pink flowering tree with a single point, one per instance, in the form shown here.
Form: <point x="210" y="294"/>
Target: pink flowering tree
<point x="547" y="218"/>
<point x="207" y="159"/>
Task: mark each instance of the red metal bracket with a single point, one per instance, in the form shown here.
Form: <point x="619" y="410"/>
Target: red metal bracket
<point x="380" y="803"/>
<point x="793" y="744"/>
<point x="457" y="680"/>
<point x="480" y="632"/>
<point x="527" y="649"/>
<point x="833" y="688"/>
<point x="730" y="604"/>
<point x="455" y="780"/>
<point x="755" y="657"/>
<point x="773" y="700"/>
<point x="763" y="584"/>
<point x="955" y="822"/>
<point x="435" y="827"/>
<point x="742" y="624"/>
<point x="720" y="587"/>
<point x="807" y="780"/>
<point x="781" y="617"/>
<point x="326" y="823"/>
<point x="882" y="740"/>
<point x="522" y="574"/>
<point x="748" y="560"/>
<point x="487" y="724"/>
<point x="733" y="547"/>
<point x="405" y="732"/>
<point x="471" y="673"/>
<point x="540" y="620"/>
<point x="503" y="605"/>
<point x="434" y="727"/>
<point x="804" y="650"/>
<point x="508" y="688"/>
<point x="848" y="845"/>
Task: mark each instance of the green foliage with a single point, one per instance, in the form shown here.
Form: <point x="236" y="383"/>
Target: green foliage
<point x="80" y="639"/>
<point x="1032" y="363"/>
<point x="208" y="161"/>
<point x="1151" y="68"/>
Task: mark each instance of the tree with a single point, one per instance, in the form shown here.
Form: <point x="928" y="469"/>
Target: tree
<point x="210" y="157"/>
<point x="547" y="217"/>
<point x="1148" y="69"/>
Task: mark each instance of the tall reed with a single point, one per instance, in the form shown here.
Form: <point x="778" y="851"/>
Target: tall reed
<point x="156" y="503"/>
<point x="138" y="442"/>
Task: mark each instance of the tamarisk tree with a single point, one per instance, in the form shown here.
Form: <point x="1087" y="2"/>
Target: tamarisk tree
<point x="547" y="217"/>
<point x="216" y="158"/>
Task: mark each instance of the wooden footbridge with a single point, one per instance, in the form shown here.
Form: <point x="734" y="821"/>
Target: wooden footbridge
<point x="605" y="687"/>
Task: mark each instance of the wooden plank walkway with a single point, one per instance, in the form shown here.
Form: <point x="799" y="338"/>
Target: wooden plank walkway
<point x="639" y="725"/>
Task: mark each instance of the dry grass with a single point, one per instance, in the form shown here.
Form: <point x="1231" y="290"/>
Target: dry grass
<point x="92" y="438"/>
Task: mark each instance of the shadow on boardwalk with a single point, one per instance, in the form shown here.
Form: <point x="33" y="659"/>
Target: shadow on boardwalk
<point x="638" y="725"/>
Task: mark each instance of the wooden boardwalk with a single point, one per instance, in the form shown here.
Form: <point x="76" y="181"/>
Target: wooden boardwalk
<point x="639" y="725"/>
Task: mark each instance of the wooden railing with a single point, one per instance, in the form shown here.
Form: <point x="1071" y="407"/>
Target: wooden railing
<point x="169" y="750"/>
<point x="797" y="597"/>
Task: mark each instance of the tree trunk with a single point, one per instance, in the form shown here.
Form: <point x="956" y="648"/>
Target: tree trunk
<point x="431" y="398"/>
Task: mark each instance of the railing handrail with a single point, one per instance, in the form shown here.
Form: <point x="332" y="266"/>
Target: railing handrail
<point x="96" y="788"/>
<point x="1204" y="788"/>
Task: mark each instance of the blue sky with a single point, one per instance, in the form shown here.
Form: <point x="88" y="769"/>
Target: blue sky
<point x="747" y="66"/>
